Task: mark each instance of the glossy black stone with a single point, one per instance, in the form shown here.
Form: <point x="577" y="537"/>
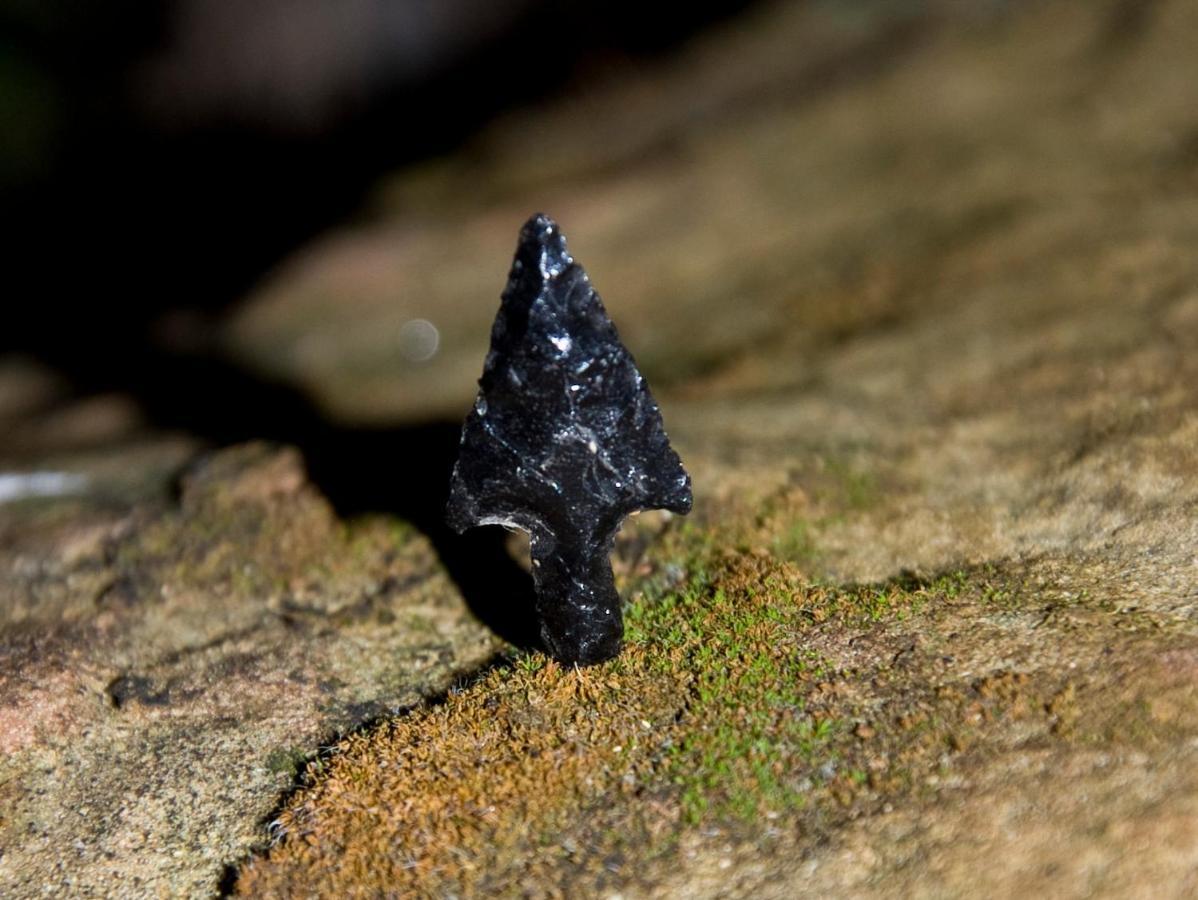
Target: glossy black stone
<point x="564" y="441"/>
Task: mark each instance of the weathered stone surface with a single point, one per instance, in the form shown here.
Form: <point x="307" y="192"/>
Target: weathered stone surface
<point x="564" y="441"/>
<point x="914" y="295"/>
<point x="166" y="672"/>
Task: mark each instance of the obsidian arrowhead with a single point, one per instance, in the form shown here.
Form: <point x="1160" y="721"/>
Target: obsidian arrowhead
<point x="564" y="441"/>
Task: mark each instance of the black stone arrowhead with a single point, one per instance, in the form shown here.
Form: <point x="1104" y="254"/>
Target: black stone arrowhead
<point x="564" y="441"/>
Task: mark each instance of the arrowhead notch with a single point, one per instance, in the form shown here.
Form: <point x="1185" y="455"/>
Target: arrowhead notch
<point x="564" y="441"/>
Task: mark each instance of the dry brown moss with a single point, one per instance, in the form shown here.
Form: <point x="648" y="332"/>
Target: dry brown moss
<point x="733" y="705"/>
<point x="464" y="795"/>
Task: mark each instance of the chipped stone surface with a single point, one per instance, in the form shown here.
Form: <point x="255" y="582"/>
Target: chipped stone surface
<point x="564" y="441"/>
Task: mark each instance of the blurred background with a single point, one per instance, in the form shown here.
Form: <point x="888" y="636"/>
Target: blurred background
<point x="158" y="160"/>
<point x="325" y="193"/>
<point x="285" y="218"/>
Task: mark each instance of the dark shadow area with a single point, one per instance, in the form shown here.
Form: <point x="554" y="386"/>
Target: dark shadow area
<point x="402" y="471"/>
<point x="117" y="222"/>
<point x="115" y="218"/>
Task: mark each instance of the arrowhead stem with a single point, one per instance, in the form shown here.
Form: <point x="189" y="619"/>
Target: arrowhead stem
<point x="577" y="601"/>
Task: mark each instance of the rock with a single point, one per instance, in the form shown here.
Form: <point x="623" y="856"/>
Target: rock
<point x="159" y="659"/>
<point x="918" y="301"/>
<point x="564" y="441"/>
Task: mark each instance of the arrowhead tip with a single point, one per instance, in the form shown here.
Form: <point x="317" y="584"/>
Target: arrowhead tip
<point x="543" y="246"/>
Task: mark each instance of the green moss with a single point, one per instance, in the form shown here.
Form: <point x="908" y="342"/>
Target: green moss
<point x="288" y="761"/>
<point x="950" y="584"/>
<point x="841" y="490"/>
<point x="858" y="488"/>
<point x="796" y="543"/>
<point x="748" y="740"/>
